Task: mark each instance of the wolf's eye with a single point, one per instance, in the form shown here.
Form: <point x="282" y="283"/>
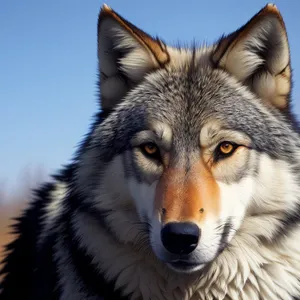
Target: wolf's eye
<point x="150" y="149"/>
<point x="225" y="149"/>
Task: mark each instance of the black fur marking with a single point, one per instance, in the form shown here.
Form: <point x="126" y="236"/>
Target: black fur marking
<point x="45" y="276"/>
<point x="224" y="238"/>
<point x="25" y="264"/>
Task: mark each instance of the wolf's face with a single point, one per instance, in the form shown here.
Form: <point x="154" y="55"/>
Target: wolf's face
<point x="191" y="132"/>
<point x="190" y="171"/>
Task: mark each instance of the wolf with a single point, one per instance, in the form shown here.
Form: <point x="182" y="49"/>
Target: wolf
<point x="187" y="185"/>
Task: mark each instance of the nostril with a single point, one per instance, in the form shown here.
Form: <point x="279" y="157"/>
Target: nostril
<point x="180" y="238"/>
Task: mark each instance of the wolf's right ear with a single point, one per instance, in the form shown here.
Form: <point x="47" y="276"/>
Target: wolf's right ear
<point x="125" y="54"/>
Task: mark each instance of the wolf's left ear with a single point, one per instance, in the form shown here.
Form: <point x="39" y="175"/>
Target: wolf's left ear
<point x="258" y="55"/>
<point x="126" y="54"/>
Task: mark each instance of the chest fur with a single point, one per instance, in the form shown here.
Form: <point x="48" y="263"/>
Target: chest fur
<point x="246" y="270"/>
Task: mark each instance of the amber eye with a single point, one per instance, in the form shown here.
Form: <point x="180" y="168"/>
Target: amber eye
<point x="150" y="149"/>
<point x="226" y="148"/>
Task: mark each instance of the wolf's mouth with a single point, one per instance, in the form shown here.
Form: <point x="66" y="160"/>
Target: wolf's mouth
<point x="185" y="266"/>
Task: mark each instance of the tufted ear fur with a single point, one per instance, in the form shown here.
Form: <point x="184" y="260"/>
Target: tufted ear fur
<point x="126" y="54"/>
<point x="258" y="55"/>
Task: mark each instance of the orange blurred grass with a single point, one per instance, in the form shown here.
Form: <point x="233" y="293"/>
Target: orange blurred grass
<point x="7" y="213"/>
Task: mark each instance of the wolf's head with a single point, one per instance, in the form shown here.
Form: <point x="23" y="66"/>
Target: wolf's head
<point x="198" y="145"/>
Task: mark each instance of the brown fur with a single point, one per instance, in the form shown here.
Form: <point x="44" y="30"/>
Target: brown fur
<point x="188" y="196"/>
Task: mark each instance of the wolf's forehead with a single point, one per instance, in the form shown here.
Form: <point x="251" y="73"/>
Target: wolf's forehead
<point x="188" y="101"/>
<point x="192" y="97"/>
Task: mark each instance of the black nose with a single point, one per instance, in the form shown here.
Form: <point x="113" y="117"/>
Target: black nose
<point x="180" y="238"/>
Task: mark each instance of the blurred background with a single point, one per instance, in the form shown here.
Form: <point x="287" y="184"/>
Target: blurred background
<point x="48" y="74"/>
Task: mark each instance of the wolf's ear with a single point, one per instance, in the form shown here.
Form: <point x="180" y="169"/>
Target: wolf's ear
<point x="125" y="55"/>
<point x="258" y="55"/>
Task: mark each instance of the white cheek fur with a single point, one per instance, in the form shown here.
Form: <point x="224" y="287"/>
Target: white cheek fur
<point x="235" y="197"/>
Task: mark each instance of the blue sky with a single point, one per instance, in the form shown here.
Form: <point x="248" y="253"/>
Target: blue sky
<point x="48" y="65"/>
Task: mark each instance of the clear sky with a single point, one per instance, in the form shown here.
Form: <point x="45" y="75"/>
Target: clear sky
<point x="48" y="66"/>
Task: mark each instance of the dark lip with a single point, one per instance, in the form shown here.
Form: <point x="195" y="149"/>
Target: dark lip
<point x="181" y="264"/>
